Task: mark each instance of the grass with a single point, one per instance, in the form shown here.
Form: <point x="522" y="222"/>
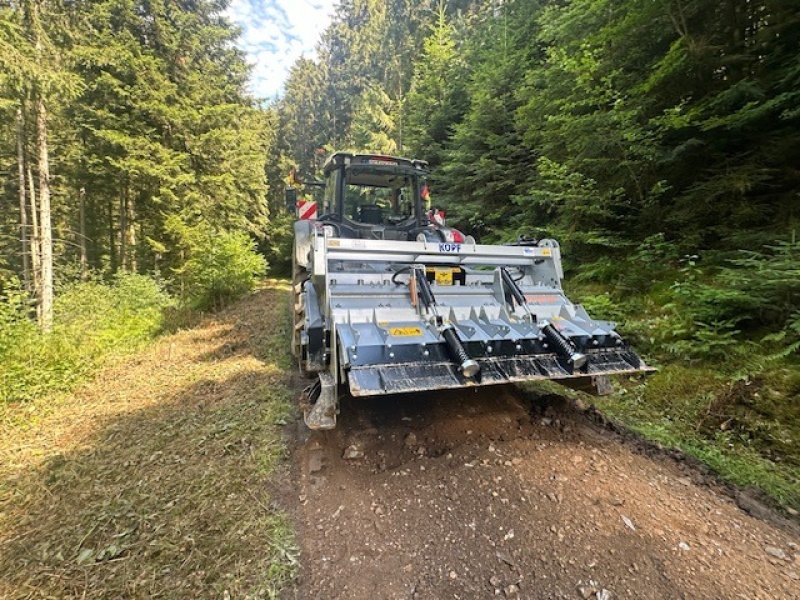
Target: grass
<point x="724" y="404"/>
<point x="691" y="408"/>
<point x="94" y="323"/>
<point x="157" y="479"/>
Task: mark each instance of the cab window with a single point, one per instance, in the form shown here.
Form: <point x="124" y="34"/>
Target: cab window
<point x="378" y="204"/>
<point x="329" y="198"/>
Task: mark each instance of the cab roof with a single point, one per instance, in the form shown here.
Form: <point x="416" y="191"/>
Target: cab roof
<point x="379" y="161"/>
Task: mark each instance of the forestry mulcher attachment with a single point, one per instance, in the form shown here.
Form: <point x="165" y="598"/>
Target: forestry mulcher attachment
<point x="388" y="299"/>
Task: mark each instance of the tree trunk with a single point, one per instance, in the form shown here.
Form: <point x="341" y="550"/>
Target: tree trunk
<point x="45" y="222"/>
<point x="82" y="233"/>
<point x="132" y="262"/>
<point x="23" y="205"/>
<point x="123" y="229"/>
<point x="112" y="238"/>
<point x="36" y="264"/>
<point x="31" y="11"/>
<point x="400" y="124"/>
<point x="399" y="103"/>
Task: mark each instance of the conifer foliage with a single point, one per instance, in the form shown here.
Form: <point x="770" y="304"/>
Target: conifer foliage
<point x="122" y="122"/>
<point x="600" y="121"/>
<point x="604" y="123"/>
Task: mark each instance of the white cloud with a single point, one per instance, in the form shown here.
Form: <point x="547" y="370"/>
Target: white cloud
<point x="275" y="33"/>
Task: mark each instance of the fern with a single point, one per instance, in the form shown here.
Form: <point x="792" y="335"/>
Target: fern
<point x="789" y="336"/>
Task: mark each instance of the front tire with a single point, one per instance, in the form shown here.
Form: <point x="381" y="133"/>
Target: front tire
<point x="298" y="308"/>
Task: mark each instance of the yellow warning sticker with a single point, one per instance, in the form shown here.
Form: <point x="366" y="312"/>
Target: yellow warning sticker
<point x="405" y="331"/>
<point x="444" y="276"/>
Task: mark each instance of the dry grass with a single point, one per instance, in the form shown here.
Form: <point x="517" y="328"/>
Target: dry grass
<point x="153" y="481"/>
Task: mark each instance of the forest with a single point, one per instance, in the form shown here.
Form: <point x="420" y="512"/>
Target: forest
<point x="658" y="141"/>
<point x="132" y="179"/>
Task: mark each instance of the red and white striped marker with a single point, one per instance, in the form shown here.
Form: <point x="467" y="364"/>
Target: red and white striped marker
<point x="306" y="210"/>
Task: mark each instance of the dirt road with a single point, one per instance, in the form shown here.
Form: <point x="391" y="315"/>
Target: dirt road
<point x="487" y="494"/>
<point x="165" y="477"/>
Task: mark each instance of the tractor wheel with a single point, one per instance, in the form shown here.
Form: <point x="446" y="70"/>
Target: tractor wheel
<point x="299" y="277"/>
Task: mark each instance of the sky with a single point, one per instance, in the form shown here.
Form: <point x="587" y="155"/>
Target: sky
<point x="275" y="33"/>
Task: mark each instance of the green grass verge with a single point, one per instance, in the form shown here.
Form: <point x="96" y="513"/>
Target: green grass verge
<point x="726" y="397"/>
<point x="158" y="478"/>
<point x="722" y="424"/>
<point x="94" y="321"/>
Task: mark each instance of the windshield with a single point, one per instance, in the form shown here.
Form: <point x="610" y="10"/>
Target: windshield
<point x="380" y="204"/>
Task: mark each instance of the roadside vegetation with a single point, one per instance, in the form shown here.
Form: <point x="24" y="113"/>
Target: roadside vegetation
<point x="97" y="320"/>
<point x="138" y="434"/>
<point x="724" y="330"/>
<point x="93" y="320"/>
<point x="157" y="478"/>
<point x="132" y="174"/>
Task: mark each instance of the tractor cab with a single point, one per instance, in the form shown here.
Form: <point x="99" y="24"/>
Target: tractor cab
<point x="374" y="197"/>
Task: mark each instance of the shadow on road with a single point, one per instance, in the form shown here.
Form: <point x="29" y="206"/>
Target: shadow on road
<point x="157" y="477"/>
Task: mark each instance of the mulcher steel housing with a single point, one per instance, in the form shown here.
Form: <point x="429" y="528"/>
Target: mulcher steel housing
<point x="387" y="299"/>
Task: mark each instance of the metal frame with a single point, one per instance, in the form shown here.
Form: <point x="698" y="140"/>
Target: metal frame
<point x="374" y="318"/>
<point x="380" y="340"/>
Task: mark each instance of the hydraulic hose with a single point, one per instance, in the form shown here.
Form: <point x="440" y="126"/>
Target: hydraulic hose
<point x="512" y="287"/>
<point x="424" y="289"/>
<point x="400" y="272"/>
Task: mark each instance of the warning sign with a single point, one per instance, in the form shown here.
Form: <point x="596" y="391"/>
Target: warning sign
<point x="405" y="331"/>
<point x="306" y="210"/>
<point x="444" y="276"/>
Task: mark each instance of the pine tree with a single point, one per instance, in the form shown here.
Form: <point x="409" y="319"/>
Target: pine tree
<point x="436" y="100"/>
<point x="131" y="114"/>
<point x="40" y="89"/>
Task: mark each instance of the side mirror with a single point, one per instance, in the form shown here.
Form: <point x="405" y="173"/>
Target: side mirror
<point x="291" y="200"/>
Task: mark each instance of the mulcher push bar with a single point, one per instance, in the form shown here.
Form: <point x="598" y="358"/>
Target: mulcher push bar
<point x="468" y="366"/>
<point x="564" y="346"/>
<point x="513" y="289"/>
<point x="424" y="289"/>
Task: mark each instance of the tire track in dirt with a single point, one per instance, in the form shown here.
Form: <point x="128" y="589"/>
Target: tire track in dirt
<point x="479" y="494"/>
